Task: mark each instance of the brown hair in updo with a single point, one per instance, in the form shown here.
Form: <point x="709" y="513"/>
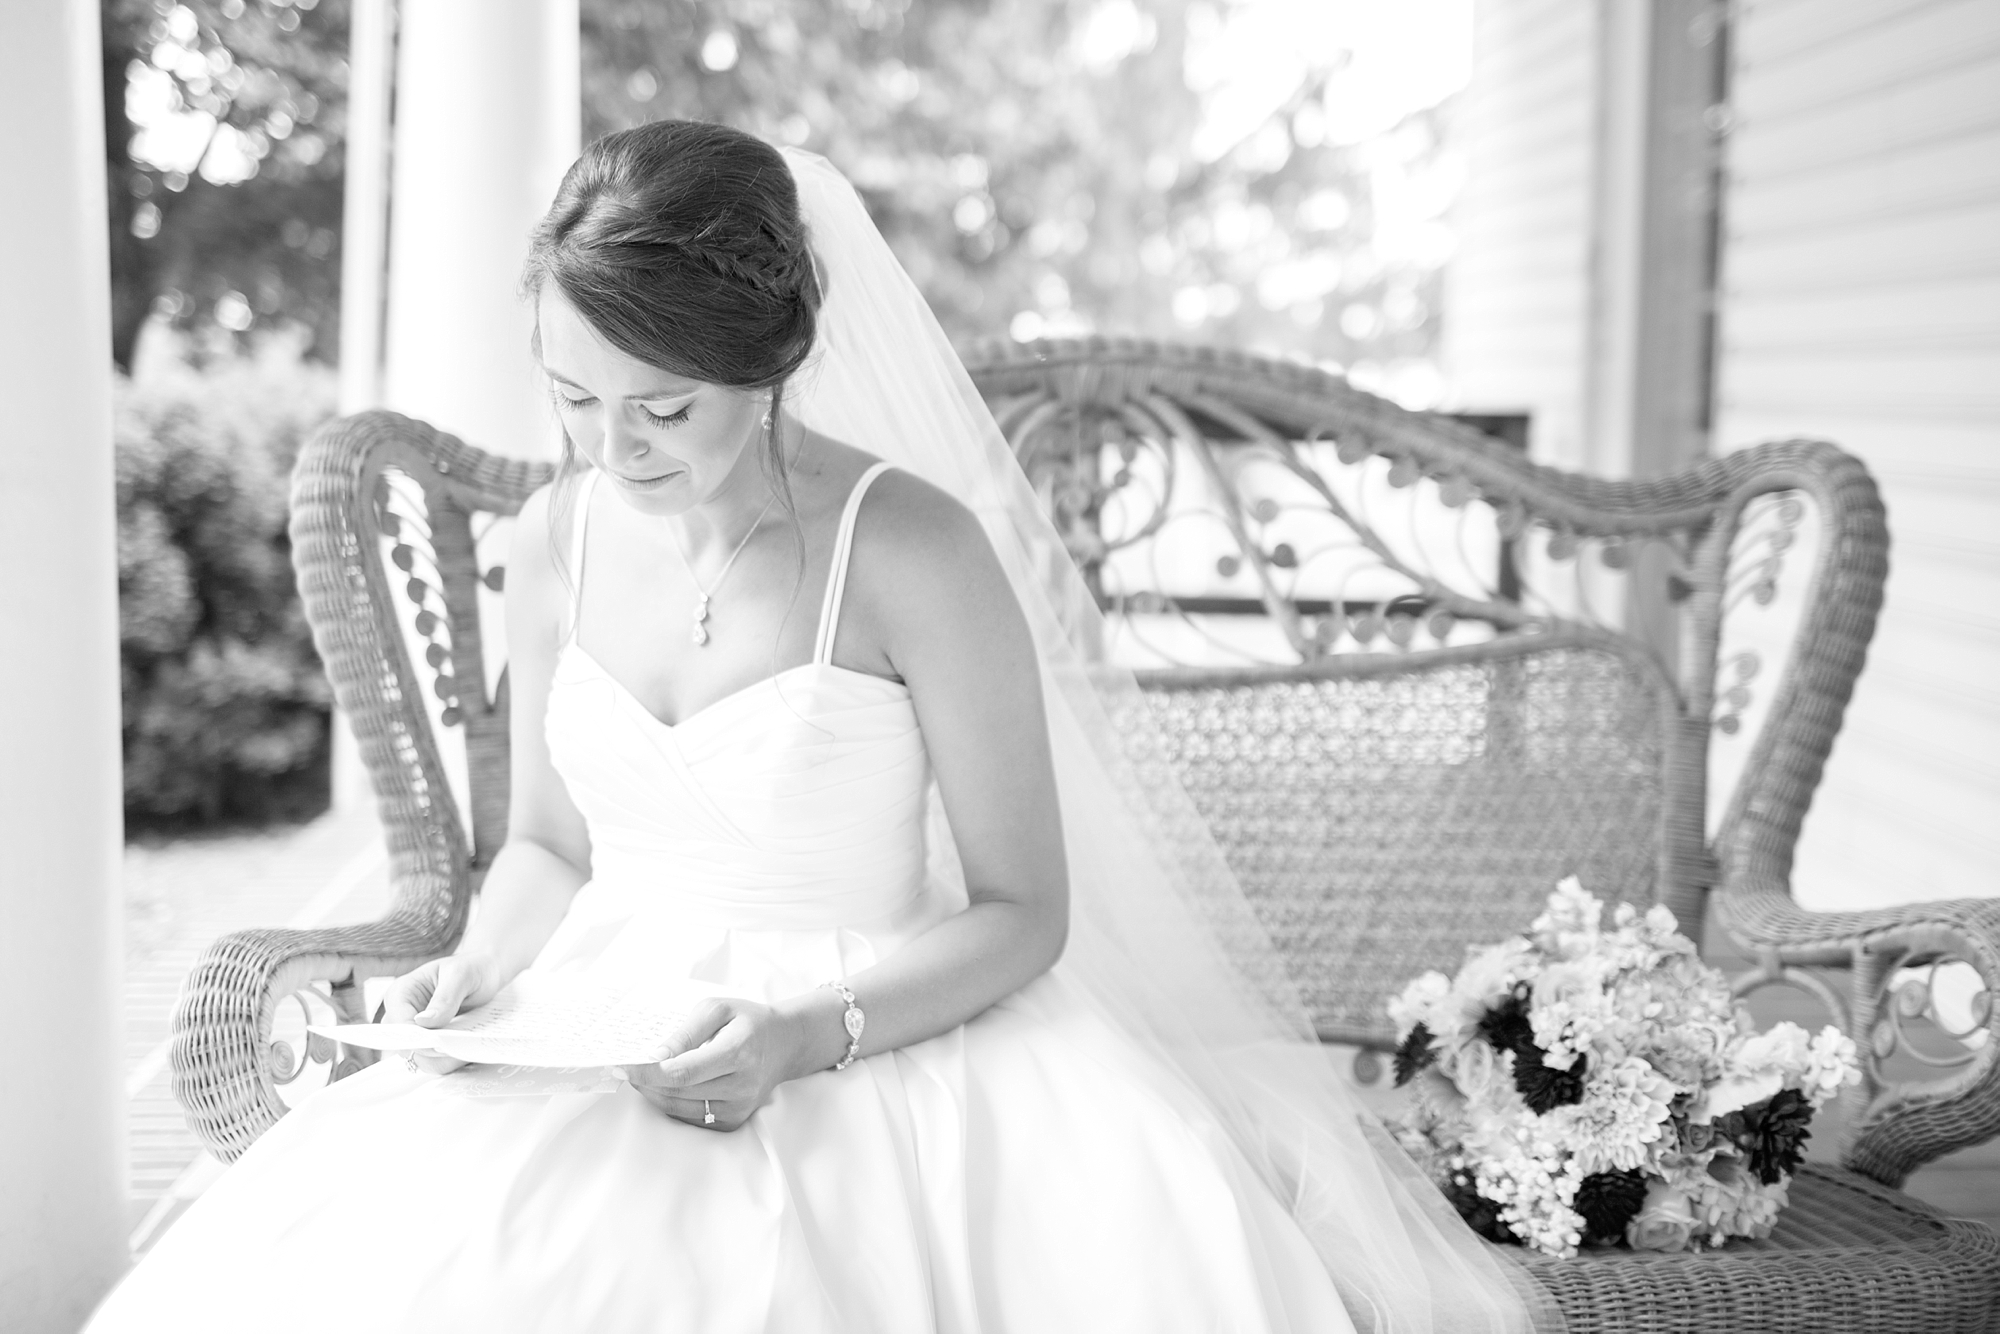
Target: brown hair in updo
<point x="682" y="245"/>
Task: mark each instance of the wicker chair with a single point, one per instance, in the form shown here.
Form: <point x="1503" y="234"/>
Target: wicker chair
<point x="1430" y="713"/>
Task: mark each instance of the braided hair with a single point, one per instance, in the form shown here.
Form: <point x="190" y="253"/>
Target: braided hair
<point x="681" y="243"/>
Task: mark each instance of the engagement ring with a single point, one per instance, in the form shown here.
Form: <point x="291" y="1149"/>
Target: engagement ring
<point x="707" y="1117"/>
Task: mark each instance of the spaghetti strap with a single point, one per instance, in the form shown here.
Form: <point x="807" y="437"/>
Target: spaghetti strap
<point x="576" y="549"/>
<point x="836" y="575"/>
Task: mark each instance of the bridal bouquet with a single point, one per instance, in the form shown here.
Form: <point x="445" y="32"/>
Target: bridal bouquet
<point x="1582" y="1085"/>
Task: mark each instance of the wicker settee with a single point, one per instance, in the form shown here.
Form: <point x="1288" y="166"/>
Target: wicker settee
<point x="1397" y="671"/>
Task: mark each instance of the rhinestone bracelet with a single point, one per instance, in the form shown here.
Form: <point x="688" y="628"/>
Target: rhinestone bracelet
<point x="854" y="1019"/>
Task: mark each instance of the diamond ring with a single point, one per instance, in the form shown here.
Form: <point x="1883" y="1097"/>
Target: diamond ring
<point x="707" y="1117"/>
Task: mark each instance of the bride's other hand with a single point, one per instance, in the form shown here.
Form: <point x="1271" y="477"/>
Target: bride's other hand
<point x="731" y="1055"/>
<point x="433" y="994"/>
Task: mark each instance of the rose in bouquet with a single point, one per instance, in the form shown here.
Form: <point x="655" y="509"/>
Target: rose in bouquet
<point x="1583" y="1085"/>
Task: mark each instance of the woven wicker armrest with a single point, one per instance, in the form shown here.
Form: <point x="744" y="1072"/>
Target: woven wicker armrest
<point x="226" y="1067"/>
<point x="1893" y="957"/>
<point x="388" y="520"/>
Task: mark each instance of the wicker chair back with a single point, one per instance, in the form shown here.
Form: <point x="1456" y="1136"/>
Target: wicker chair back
<point x="1462" y="676"/>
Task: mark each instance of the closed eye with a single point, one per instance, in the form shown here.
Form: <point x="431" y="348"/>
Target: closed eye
<point x="671" y="419"/>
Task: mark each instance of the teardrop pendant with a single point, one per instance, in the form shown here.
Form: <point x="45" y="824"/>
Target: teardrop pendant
<point x="698" y="632"/>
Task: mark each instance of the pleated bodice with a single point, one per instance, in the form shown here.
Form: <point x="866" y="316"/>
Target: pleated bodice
<point x="796" y="802"/>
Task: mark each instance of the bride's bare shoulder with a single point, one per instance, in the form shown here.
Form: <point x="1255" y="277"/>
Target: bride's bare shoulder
<point x="905" y="518"/>
<point x="902" y="515"/>
<point x="923" y="563"/>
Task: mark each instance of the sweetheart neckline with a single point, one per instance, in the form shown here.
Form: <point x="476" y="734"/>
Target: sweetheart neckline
<point x="714" y="704"/>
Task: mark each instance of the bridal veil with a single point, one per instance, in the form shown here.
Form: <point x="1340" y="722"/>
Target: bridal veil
<point x="1162" y="940"/>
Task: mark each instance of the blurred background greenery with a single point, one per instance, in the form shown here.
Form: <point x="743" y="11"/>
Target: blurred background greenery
<point x="1042" y="167"/>
<point x="225" y="705"/>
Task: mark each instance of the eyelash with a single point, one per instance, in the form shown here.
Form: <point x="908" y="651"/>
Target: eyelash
<point x="566" y="404"/>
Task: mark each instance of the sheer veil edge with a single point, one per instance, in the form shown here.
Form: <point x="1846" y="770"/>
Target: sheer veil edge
<point x="1161" y="941"/>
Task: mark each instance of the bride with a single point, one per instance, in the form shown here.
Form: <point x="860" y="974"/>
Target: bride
<point x="993" y="1044"/>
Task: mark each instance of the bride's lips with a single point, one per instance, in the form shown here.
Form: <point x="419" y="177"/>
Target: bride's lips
<point x="645" y="483"/>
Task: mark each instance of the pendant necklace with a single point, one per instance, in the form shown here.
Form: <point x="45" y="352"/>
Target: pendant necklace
<point x="702" y="595"/>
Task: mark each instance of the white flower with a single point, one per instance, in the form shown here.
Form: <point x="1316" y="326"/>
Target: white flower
<point x="1757" y="1065"/>
<point x="1419" y="1003"/>
<point x="1624" y="1113"/>
<point x="1733" y="1092"/>
<point x="1569" y="1010"/>
<point x="1784" y="1048"/>
<point x="1569" y="926"/>
<point x="1688" y="1053"/>
<point x="1830" y="1066"/>
<point x="1439" y="1097"/>
<point x="1525" y="1171"/>
<point x="1665" y="1222"/>
<point x="1473" y="1069"/>
<point x="1729" y="1201"/>
<point x="1488" y="977"/>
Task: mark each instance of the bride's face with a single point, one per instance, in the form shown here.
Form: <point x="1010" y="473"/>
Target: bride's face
<point x="668" y="442"/>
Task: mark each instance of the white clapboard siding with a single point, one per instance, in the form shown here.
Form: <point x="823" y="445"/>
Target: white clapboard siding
<point x="1517" y="292"/>
<point x="1860" y="303"/>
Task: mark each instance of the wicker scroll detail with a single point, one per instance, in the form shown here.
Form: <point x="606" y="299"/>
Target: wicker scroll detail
<point x="225" y="1069"/>
<point x="1216" y="526"/>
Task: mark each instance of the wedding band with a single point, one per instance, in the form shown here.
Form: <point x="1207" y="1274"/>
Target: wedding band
<point x="707" y="1117"/>
<point x="410" y="1059"/>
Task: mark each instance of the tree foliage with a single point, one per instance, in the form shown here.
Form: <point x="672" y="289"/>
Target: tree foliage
<point x="246" y="100"/>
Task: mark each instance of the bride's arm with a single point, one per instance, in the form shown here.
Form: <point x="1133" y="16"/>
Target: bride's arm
<point x="546" y="858"/>
<point x="927" y="593"/>
<point x="927" y="601"/>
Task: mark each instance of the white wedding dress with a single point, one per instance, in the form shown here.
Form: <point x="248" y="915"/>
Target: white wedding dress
<point x="1032" y="1171"/>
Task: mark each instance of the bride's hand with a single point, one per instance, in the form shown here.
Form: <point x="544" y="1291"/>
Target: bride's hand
<point x="433" y="994"/>
<point x="727" y="1061"/>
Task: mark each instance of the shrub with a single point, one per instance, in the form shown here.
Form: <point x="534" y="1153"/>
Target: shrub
<point x="226" y="709"/>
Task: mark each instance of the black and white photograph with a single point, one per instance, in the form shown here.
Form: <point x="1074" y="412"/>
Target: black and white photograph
<point x="1000" y="666"/>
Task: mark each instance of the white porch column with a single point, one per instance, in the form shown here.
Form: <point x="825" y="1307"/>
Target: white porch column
<point x="364" y="274"/>
<point x="62" y="1179"/>
<point x="487" y="119"/>
<point x="364" y="221"/>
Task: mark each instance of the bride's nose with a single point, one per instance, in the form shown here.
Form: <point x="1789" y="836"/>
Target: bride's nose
<point x="624" y="443"/>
